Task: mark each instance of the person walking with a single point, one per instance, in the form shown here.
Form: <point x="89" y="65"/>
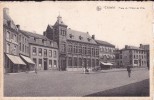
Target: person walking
<point x="129" y="71"/>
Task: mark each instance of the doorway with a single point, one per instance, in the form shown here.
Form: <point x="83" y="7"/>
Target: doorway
<point x="45" y="64"/>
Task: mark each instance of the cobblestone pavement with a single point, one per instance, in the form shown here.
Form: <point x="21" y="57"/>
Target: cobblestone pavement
<point x="64" y="83"/>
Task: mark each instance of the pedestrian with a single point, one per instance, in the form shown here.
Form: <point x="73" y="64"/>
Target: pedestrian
<point x="35" y="70"/>
<point x="129" y="71"/>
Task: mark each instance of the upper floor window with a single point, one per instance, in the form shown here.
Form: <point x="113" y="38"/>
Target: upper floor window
<point x="45" y="52"/>
<point x="55" y="54"/>
<point x="8" y="35"/>
<point x="70" y="48"/>
<point x="23" y="39"/>
<point x="8" y="48"/>
<point x="50" y="53"/>
<point x="40" y="51"/>
<point x="63" y="32"/>
<point x="34" y="51"/>
<point x="19" y="37"/>
<point x="15" y="38"/>
<point x="63" y="48"/>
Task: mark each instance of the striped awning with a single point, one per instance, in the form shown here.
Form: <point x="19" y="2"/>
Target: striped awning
<point x="27" y="59"/>
<point x="16" y="59"/>
<point x="106" y="63"/>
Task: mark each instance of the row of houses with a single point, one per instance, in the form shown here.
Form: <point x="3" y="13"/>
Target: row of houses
<point x="60" y="48"/>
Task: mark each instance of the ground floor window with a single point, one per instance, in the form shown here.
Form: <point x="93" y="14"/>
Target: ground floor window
<point x="55" y="63"/>
<point x="97" y="62"/>
<point x="93" y="62"/>
<point x="80" y="62"/>
<point x="89" y="62"/>
<point x="40" y="63"/>
<point x="50" y="63"/>
<point x="75" y="62"/>
<point x="70" y="61"/>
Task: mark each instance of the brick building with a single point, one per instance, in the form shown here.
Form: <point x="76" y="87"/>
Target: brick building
<point x="77" y="50"/>
<point x="42" y="51"/>
<point x="12" y="60"/>
<point x="133" y="56"/>
<point x="106" y="53"/>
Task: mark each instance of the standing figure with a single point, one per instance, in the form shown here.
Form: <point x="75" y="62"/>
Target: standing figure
<point x="129" y="71"/>
<point x="35" y="69"/>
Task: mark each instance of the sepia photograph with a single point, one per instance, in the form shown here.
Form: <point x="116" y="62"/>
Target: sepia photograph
<point x="76" y="49"/>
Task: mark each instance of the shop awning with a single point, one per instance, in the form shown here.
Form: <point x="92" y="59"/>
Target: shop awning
<point x="15" y="59"/>
<point x="106" y="63"/>
<point x="27" y="59"/>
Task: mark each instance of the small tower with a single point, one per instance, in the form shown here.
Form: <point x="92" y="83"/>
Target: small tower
<point x="60" y="36"/>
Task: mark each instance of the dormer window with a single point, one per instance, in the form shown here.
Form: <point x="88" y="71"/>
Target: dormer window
<point x="34" y="39"/>
<point x="80" y="37"/>
<point x="43" y="41"/>
<point x="71" y="36"/>
<point x="88" y="39"/>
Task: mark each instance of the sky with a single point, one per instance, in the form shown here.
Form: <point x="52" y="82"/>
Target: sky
<point x="111" y="23"/>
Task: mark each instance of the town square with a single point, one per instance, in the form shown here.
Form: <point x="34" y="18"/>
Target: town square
<point x="55" y="51"/>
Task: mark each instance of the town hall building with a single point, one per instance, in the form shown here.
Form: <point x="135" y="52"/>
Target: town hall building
<point x="77" y="50"/>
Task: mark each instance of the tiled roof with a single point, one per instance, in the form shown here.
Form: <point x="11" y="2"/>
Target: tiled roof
<point x="132" y="47"/>
<point x="38" y="36"/>
<point x="59" y="21"/>
<point x="100" y="42"/>
<point x="79" y="36"/>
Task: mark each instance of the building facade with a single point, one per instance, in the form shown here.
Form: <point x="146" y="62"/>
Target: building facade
<point x="77" y="50"/>
<point x="132" y="56"/>
<point x="42" y="51"/>
<point x="12" y="60"/>
<point x="106" y="52"/>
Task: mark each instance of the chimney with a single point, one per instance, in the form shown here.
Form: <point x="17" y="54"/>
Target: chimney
<point x="18" y="27"/>
<point x="141" y="45"/>
<point x="6" y="11"/>
<point x="93" y="37"/>
<point x="126" y="46"/>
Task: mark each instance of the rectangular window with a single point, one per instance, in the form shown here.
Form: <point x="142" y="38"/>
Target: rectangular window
<point x="40" y="62"/>
<point x="23" y="47"/>
<point x="74" y="49"/>
<point x="20" y="46"/>
<point x="15" y="38"/>
<point x="80" y="62"/>
<point x="55" y="63"/>
<point x="70" y="61"/>
<point x="75" y="61"/>
<point x="22" y="39"/>
<point x="45" y="52"/>
<point x="97" y="62"/>
<point x="40" y="51"/>
<point x="8" y="48"/>
<point x="50" y="63"/>
<point x="63" y="48"/>
<point x="50" y="53"/>
<point x="27" y="49"/>
<point x="55" y="54"/>
<point x="85" y="50"/>
<point x="34" y="51"/>
<point x="8" y="35"/>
